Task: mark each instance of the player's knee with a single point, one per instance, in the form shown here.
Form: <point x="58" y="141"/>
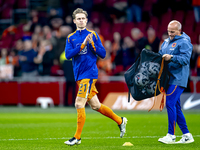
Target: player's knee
<point x="79" y="104"/>
<point x="95" y="107"/>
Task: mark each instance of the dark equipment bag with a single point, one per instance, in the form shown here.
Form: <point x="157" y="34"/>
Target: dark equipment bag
<point x="148" y="76"/>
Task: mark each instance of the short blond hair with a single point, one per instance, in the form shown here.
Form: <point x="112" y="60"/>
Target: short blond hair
<point x="77" y="11"/>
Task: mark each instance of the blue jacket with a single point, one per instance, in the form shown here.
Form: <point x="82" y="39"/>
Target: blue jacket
<point x="84" y="59"/>
<point x="28" y="65"/>
<point x="181" y="49"/>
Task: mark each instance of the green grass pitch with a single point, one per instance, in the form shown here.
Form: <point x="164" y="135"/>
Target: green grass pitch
<point x="33" y="128"/>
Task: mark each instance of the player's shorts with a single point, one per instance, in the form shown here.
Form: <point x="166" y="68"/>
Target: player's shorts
<point x="87" y="88"/>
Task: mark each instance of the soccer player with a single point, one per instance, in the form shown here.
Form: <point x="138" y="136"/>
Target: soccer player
<point x="177" y="50"/>
<point x="84" y="46"/>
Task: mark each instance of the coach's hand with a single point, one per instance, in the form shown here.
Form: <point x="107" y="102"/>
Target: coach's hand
<point x="167" y="57"/>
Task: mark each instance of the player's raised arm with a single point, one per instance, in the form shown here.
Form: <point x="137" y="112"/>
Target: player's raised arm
<point x="96" y="45"/>
<point x="70" y="51"/>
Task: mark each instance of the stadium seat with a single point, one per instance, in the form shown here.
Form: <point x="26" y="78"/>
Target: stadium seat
<point x="126" y="30"/>
<point x="105" y="30"/>
<point x="197" y="28"/>
<point x="166" y="18"/>
<point x="10" y="2"/>
<point x="97" y="2"/>
<point x="154" y="23"/>
<point x="117" y="27"/>
<point x="110" y="3"/>
<point x="6" y="13"/>
<point x="142" y="26"/>
<point x="21" y="4"/>
<point x="95" y="17"/>
<point x="188" y="28"/>
<point x="118" y="69"/>
<point x="189" y="18"/>
<point x="179" y="15"/>
<point x="148" y="5"/>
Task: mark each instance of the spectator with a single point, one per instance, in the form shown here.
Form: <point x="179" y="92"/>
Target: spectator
<point x="46" y="32"/>
<point x="55" y="5"/>
<point x="139" y="39"/>
<point x="105" y="65"/>
<point x="56" y="70"/>
<point x="19" y="46"/>
<point x="164" y="36"/>
<point x="69" y="22"/>
<point x="116" y="45"/>
<point x="196" y="6"/>
<point x="26" y="56"/>
<point x="134" y="11"/>
<point x="198" y="61"/>
<point x="100" y="36"/>
<point x="35" y="41"/>
<point x="14" y="59"/>
<point x="44" y="58"/>
<point x="61" y="40"/>
<point x="4" y="59"/>
<point x="126" y="56"/>
<point x="69" y="77"/>
<point x="153" y="40"/>
<point x="193" y="61"/>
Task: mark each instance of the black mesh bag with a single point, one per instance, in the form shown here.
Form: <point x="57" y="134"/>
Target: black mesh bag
<point x="148" y="76"/>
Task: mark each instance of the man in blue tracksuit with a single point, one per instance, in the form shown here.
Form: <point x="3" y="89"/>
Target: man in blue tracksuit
<point x="177" y="49"/>
<point x="84" y="46"/>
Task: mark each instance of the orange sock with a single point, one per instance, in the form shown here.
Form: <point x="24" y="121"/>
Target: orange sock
<point x="106" y="111"/>
<point x="80" y="122"/>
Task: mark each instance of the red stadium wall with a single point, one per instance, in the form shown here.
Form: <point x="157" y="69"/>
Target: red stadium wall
<point x="26" y="93"/>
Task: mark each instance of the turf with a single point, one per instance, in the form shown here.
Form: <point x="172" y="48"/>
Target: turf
<point x="33" y="128"/>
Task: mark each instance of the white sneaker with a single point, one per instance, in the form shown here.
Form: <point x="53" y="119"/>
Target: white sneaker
<point x="186" y="138"/>
<point x="73" y="141"/>
<point x="122" y="127"/>
<point x="168" y="139"/>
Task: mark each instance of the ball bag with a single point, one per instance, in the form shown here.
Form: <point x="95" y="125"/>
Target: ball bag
<point x="145" y="74"/>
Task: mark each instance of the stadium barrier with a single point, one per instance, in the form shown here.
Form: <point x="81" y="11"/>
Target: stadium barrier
<point x="112" y="92"/>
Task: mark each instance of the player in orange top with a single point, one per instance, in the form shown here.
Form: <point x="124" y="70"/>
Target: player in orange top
<point x="84" y="46"/>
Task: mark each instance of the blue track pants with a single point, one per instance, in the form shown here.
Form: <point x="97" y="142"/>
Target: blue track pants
<point x="175" y="114"/>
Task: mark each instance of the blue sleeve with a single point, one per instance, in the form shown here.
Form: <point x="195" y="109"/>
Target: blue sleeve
<point x="70" y="51"/>
<point x="32" y="56"/>
<point x="184" y="57"/>
<point x="160" y="51"/>
<point x="97" y="47"/>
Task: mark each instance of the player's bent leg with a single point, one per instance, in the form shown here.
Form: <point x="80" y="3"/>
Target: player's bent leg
<point x="106" y="111"/>
<point x="94" y="103"/>
<point x="80" y="107"/>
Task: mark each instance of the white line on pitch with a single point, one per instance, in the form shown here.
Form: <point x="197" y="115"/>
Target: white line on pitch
<point x="136" y="137"/>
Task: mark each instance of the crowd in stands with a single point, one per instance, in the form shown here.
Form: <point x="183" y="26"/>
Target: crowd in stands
<point x="36" y="47"/>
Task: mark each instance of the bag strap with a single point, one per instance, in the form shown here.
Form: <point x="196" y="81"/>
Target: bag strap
<point x="129" y="93"/>
<point x="158" y="83"/>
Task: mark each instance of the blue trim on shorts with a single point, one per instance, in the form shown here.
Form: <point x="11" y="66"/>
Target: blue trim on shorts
<point x="90" y="82"/>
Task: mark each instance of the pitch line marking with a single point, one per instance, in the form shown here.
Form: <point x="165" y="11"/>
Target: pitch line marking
<point x="88" y="138"/>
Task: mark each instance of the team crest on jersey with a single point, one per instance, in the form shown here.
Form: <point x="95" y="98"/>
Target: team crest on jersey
<point x="174" y="44"/>
<point x="84" y="51"/>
